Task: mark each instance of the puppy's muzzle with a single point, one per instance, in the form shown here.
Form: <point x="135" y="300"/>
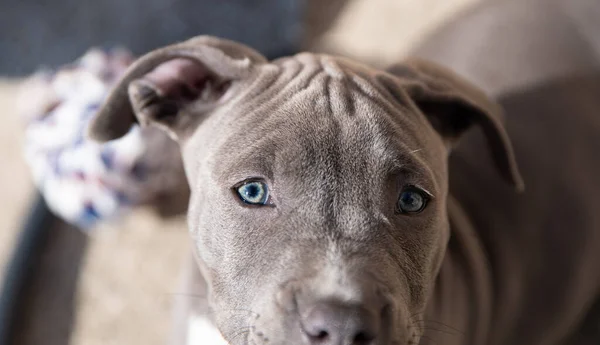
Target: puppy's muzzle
<point x="362" y="319"/>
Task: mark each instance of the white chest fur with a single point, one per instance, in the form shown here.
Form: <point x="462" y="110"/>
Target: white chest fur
<point x="202" y="331"/>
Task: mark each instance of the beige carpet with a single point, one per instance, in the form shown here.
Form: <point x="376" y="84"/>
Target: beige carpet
<point x="15" y="185"/>
<point x="129" y="277"/>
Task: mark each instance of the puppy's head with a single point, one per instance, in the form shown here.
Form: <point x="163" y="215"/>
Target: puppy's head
<point x="318" y="206"/>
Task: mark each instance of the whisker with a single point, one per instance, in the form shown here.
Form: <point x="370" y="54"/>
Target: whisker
<point x="241" y="331"/>
<point x="254" y="314"/>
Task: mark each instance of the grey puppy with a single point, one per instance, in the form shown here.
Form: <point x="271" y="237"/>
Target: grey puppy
<point x="320" y="208"/>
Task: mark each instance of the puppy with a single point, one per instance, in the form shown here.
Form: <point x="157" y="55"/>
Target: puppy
<point x="321" y="210"/>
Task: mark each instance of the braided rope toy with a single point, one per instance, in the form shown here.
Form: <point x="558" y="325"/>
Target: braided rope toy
<point x="82" y="181"/>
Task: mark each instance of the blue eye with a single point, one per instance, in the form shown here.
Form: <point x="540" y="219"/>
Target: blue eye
<point x="412" y="200"/>
<point x="254" y="193"/>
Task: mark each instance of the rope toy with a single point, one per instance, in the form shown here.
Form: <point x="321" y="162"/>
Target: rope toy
<point x="82" y="181"/>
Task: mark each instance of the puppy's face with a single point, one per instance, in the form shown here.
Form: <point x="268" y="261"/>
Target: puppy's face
<point x="318" y="185"/>
<point x="314" y="186"/>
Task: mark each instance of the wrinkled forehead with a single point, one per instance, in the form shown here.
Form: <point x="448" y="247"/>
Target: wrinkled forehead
<point x="316" y="113"/>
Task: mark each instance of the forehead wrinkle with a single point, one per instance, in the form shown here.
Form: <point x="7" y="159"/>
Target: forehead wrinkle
<point x="381" y="136"/>
<point x="397" y="116"/>
<point x="334" y="104"/>
<point x="295" y="93"/>
<point x="287" y="124"/>
<point x="396" y="138"/>
<point x="349" y="206"/>
<point x="274" y="84"/>
<point x="367" y="127"/>
<point x="293" y="83"/>
<point x="356" y="95"/>
<point x="267" y="120"/>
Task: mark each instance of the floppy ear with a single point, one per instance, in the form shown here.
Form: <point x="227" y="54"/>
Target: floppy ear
<point x="160" y="86"/>
<point x="453" y="105"/>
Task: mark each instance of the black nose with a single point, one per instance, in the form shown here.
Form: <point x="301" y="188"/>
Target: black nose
<point x="332" y="323"/>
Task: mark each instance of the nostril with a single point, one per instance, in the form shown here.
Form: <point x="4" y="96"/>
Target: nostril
<point x="363" y="338"/>
<point x="333" y="323"/>
<point x="320" y="338"/>
<point x="318" y="335"/>
<point x="322" y="335"/>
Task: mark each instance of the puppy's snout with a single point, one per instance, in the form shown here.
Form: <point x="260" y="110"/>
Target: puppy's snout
<point x="333" y="323"/>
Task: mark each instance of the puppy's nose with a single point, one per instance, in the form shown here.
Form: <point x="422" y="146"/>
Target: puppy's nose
<point x="332" y="323"/>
